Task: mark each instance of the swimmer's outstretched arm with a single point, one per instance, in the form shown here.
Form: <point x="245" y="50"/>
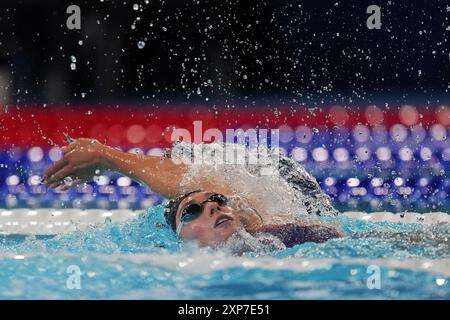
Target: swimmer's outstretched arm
<point x="82" y="160"/>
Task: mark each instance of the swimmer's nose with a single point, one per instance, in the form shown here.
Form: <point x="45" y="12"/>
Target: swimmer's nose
<point x="214" y="208"/>
<point x="211" y="208"/>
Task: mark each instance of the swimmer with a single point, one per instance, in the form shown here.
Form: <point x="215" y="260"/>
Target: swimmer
<point x="208" y="212"/>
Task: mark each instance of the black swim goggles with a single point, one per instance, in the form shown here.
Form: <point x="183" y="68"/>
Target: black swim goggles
<point x="194" y="210"/>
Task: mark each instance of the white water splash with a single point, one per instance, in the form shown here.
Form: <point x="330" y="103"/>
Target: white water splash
<point x="290" y="190"/>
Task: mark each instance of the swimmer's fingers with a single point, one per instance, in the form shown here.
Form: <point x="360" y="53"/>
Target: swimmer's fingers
<point x="54" y="168"/>
<point x="58" y="174"/>
<point x="74" y="183"/>
<point x="55" y="185"/>
<point x="61" y="186"/>
<point x="62" y="173"/>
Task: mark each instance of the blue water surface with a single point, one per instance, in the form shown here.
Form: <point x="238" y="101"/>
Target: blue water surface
<point x="142" y="259"/>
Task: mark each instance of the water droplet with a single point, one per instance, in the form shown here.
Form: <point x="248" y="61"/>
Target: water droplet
<point x="97" y="171"/>
<point x="68" y="181"/>
<point x="135" y="7"/>
<point x="73" y="66"/>
<point x="35" y="180"/>
<point x="83" y="94"/>
<point x="77" y="203"/>
<point x="73" y="59"/>
<point x="141" y="44"/>
<point x="80" y="42"/>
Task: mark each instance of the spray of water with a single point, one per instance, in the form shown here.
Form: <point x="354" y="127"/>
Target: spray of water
<point x="290" y="190"/>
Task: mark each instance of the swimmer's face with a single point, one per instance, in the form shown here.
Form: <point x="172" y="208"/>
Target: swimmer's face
<point x="213" y="226"/>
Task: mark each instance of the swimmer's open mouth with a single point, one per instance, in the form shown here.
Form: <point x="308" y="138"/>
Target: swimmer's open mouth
<point x="222" y="219"/>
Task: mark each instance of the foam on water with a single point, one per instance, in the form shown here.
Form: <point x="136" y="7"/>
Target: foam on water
<point x="141" y="258"/>
<point x="148" y="233"/>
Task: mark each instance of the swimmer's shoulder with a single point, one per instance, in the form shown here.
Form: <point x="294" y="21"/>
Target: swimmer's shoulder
<point x="293" y="233"/>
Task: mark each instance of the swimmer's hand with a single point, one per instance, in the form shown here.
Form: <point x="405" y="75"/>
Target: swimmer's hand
<point x="81" y="161"/>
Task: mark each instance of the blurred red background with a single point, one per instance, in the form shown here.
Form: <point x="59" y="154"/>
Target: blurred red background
<point x="152" y="126"/>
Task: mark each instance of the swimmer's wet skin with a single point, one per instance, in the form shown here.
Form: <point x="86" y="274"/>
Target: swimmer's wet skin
<point x="217" y="221"/>
<point x="203" y="213"/>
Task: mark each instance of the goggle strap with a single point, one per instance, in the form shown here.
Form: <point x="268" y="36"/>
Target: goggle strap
<point x="179" y="227"/>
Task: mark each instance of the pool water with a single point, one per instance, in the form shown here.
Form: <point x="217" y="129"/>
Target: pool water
<point x="142" y="259"/>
